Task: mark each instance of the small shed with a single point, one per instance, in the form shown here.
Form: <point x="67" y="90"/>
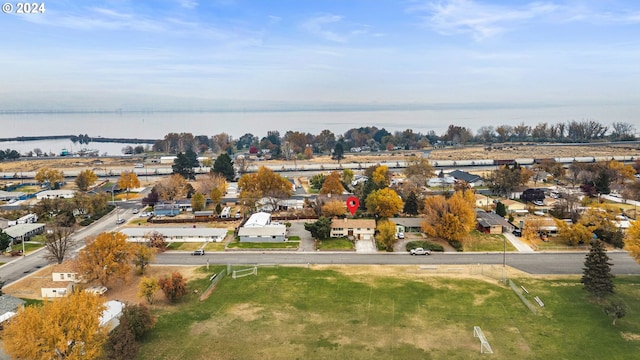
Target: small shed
<point x="64" y="272"/>
<point x="55" y="289"/>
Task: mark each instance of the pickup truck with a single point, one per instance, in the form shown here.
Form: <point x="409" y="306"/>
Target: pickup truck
<point x="420" y="251"/>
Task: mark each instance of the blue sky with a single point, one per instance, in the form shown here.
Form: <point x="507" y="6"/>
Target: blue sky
<point x="365" y="52"/>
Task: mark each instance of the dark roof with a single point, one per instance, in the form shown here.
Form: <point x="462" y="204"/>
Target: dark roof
<point x="412" y="222"/>
<point x="465" y="176"/>
<point x="486" y="219"/>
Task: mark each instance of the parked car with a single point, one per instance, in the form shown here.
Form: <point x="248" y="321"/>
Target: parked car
<point x="96" y="290"/>
<point x="517" y="232"/>
<point x="198" y="252"/>
<point x="401" y="235"/>
<point x="538" y="203"/>
<point x="135" y="211"/>
<point x="420" y="251"/>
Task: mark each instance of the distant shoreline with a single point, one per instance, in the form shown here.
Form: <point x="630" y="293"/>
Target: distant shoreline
<point x="90" y="139"/>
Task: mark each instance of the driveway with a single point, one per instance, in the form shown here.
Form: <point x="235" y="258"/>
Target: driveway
<point x="307" y="243"/>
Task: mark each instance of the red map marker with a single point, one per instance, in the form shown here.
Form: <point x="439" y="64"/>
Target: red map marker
<point x="352" y="204"/>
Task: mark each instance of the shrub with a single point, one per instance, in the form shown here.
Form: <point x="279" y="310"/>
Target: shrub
<point x="425" y="245"/>
<point x="456" y="244"/>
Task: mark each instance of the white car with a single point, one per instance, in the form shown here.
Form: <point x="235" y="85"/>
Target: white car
<point x="401" y="235"/>
<point x="120" y="221"/>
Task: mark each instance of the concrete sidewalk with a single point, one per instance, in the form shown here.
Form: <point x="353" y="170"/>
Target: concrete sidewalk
<point x="517" y="243"/>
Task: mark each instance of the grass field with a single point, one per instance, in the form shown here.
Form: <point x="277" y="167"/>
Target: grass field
<point x="486" y="242"/>
<point x="368" y="312"/>
<point x="335" y="244"/>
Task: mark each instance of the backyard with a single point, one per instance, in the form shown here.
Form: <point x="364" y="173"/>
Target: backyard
<point x="390" y="312"/>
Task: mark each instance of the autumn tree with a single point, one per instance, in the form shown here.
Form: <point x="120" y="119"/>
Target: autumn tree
<point x="384" y="203"/>
<point x="347" y="176"/>
<point x="503" y="180"/>
<point x="197" y="202"/>
<point x="451" y="219"/>
<point x="51" y="177"/>
<point x="85" y="179"/>
<point x="334" y="208"/>
<point x="67" y="328"/>
<point x="139" y="318"/>
<point x="121" y="343"/>
<point x="214" y="185"/>
<point x="58" y="240"/>
<point x="128" y="180"/>
<point x="174" y="287"/>
<point x="632" y="240"/>
<point x="147" y="289"/>
<point x="381" y="176"/>
<point x="419" y="171"/>
<point x="332" y="184"/>
<point x="597" y="277"/>
<point x="106" y="258"/>
<point x="172" y="187"/>
<point x="143" y="255"/>
<point x="264" y="184"/>
<point x="386" y="234"/>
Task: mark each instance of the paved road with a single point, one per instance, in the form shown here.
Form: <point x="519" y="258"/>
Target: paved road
<point x="533" y="263"/>
<point x="22" y="266"/>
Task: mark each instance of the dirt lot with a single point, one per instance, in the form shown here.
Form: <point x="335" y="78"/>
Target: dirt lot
<point x="29" y="287"/>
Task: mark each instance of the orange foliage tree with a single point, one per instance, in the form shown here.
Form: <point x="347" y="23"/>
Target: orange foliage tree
<point x="106" y="258"/>
<point x="332" y="184"/>
<point x="173" y="287"/>
<point x="451" y="219"/>
<point x="67" y="328"/>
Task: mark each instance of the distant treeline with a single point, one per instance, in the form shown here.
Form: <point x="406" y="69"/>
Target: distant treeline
<point x="82" y="139"/>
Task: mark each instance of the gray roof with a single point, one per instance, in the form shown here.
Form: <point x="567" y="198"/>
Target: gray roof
<point x="21" y="229"/>
<point x="268" y="230"/>
<point x="465" y="176"/>
<point x="175" y="231"/>
<point x="10" y="194"/>
<point x="414" y="222"/>
<point x="10" y="303"/>
<point x="491" y="219"/>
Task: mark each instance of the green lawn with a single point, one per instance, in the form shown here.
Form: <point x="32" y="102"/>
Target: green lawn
<point x="264" y="245"/>
<point x="486" y="242"/>
<point x="28" y="246"/>
<point x="300" y="313"/>
<point x="335" y="244"/>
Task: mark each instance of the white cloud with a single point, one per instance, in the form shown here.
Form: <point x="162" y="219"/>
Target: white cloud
<point x="477" y="19"/>
<point x="317" y="27"/>
<point x="188" y="4"/>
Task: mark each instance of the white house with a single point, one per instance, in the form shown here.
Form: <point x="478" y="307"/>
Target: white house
<point x="176" y="234"/>
<point x="360" y="229"/>
<point x="259" y="228"/>
<point x="54" y="289"/>
<point x="64" y="272"/>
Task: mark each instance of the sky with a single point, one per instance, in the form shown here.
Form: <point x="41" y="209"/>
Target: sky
<point x="180" y="53"/>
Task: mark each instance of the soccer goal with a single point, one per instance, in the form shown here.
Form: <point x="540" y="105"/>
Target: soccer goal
<point x="244" y="272"/>
<point x="484" y="344"/>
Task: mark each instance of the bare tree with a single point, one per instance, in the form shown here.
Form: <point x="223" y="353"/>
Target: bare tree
<point x="58" y="241"/>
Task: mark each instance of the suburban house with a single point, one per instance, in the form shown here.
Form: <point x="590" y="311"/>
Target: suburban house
<point x="359" y="229"/>
<point x="530" y="195"/>
<point x="513" y="206"/>
<point x="445" y="180"/>
<point x="176" y="234"/>
<point x="407" y="224"/>
<point x="55" y="194"/>
<point x="62" y="283"/>
<point x="491" y="223"/>
<point x="110" y="317"/>
<point x="23" y="232"/>
<point x="166" y="210"/>
<point x="483" y="201"/>
<point x="259" y="228"/>
<point x="267" y="204"/>
<point x="471" y="179"/>
<point x="11" y="195"/>
<point x="9" y="307"/>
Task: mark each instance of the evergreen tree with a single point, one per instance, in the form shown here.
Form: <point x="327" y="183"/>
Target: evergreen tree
<point x="183" y="165"/>
<point x="338" y="152"/>
<point x="597" y="278"/>
<point x="224" y="166"/>
<point x="411" y="205"/>
<point x="501" y="209"/>
<point x="320" y="229"/>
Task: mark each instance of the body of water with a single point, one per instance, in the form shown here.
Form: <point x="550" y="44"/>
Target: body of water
<point x="155" y="125"/>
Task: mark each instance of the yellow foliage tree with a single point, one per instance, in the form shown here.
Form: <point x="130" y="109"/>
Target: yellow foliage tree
<point x="128" y="180"/>
<point x="381" y="176"/>
<point x="171" y="187"/>
<point x="308" y="153"/>
<point x="384" y="202"/>
<point x="334" y="208"/>
<point x="575" y="234"/>
<point x="143" y="255"/>
<point x="386" y="234"/>
<point x="49" y="176"/>
<point x="332" y="184"/>
<point x="264" y="183"/>
<point x="198" y="202"/>
<point x="106" y="258"/>
<point x="85" y="179"/>
<point x="147" y="289"/>
<point x="632" y="241"/>
<point x="622" y="172"/>
<point x="67" y="328"/>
